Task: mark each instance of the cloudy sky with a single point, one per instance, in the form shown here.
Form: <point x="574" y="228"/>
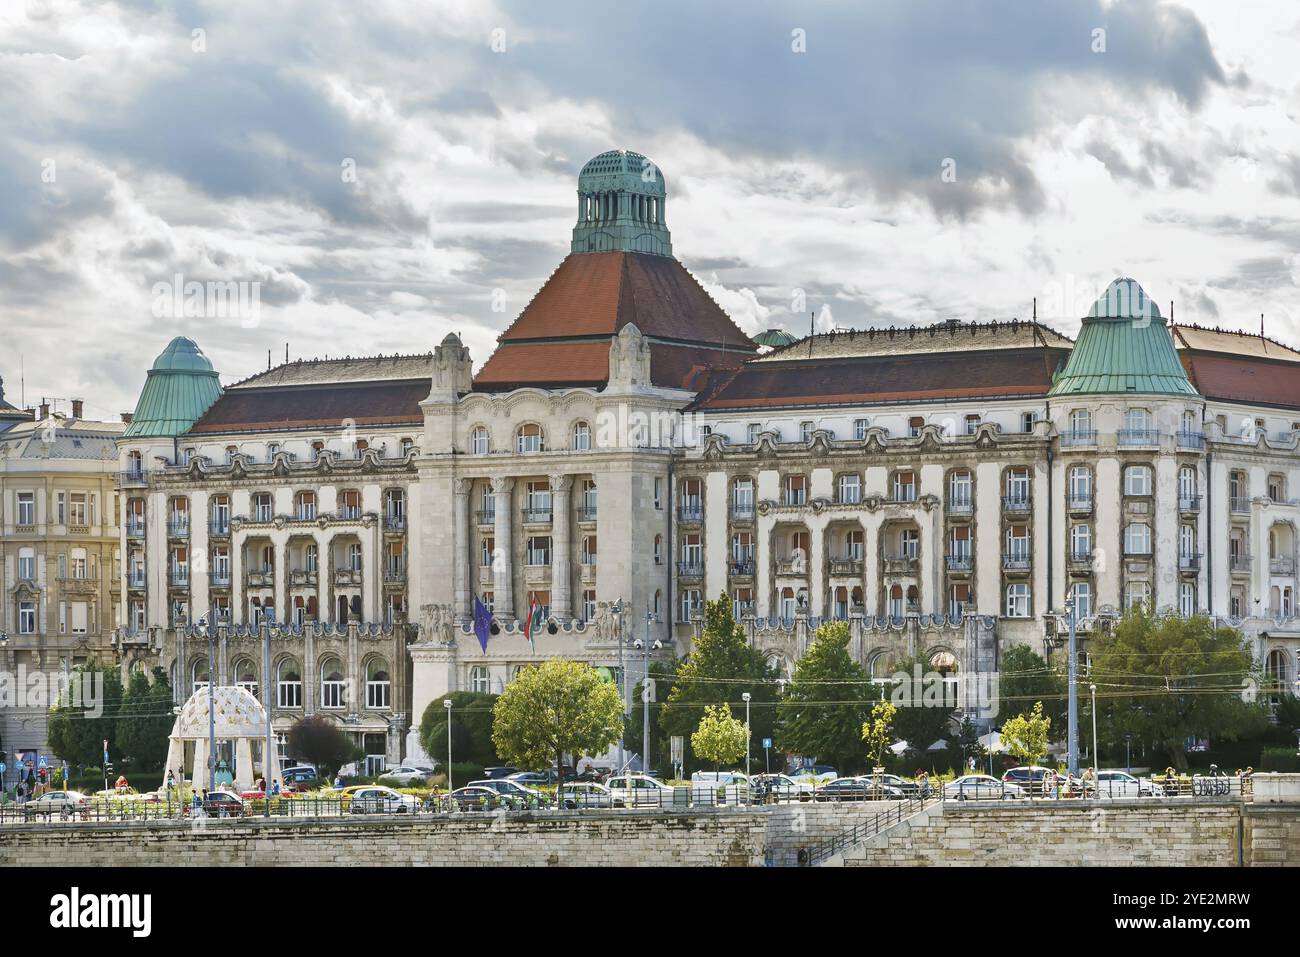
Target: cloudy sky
<point x="390" y="171"/>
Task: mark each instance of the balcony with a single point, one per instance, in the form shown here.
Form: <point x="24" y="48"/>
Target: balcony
<point x="1190" y="441"/>
<point x="486" y="516"/>
<point x="1078" y="438"/>
<point x="792" y="566"/>
<point x="219" y="528"/>
<point x="394" y="523"/>
<point x="179" y="578"/>
<point x="742" y="513"/>
<point x="1189" y="563"/>
<point x="304" y="514"/>
<point x="1239" y="564"/>
<point x="178" y="528"/>
<point x="905" y="495"/>
<point x="1189" y="504"/>
<point x="1015" y="562"/>
<point x="537" y="515"/>
<point x="1281" y="566"/>
<point x="219" y="579"/>
<point x="347" y="576"/>
<point x="1239" y="505"/>
<point x="1080" y="504"/>
<point x="587" y="573"/>
<point x="847" y="566"/>
<point x="690" y="569"/>
<point x="1079" y="559"/>
<point x="133" y="478"/>
<point x="261" y="578"/>
<point x="348" y="513"/>
<point x="1015" y="504"/>
<point x="394" y="575"/>
<point x="486" y="576"/>
<point x="690" y="512"/>
<point x="900" y="564"/>
<point x="537" y="574"/>
<point x="134" y="529"/>
<point x="303" y="576"/>
<point x="586" y="513"/>
<point x="1138" y="438"/>
<point x="741" y="568"/>
<point x="135" y="578"/>
<point x="959" y="506"/>
<point x="958" y="564"/>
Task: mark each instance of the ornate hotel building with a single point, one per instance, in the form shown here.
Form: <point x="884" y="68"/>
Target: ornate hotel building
<point x="627" y="452"/>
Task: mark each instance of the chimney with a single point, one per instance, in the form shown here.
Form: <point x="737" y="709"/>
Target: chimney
<point x="76" y="408"/>
<point x="127" y="417"/>
<point x="45" y="411"/>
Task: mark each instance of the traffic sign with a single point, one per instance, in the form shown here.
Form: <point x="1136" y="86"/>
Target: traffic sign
<point x="767" y="743"/>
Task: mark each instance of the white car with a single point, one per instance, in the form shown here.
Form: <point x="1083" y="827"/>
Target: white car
<point x="982" y="787"/>
<point x="725" y="787"/>
<point x="62" y="804"/>
<point x="816" y="776"/>
<point x="407" y="773"/>
<point x="580" y="794"/>
<point x="639" y="790"/>
<point x="381" y="800"/>
<point x="1121" y="784"/>
<point x="781" y="787"/>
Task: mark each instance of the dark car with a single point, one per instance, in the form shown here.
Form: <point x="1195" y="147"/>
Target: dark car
<point x="593" y="775"/>
<point x="502" y="772"/>
<point x="220" y="804"/>
<point x="302" y="778"/>
<point x="478" y="799"/>
<point x="857" y="789"/>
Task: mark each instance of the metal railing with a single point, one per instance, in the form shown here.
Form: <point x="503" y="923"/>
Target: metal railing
<point x="690" y="569"/>
<point x="742" y="513"/>
<point x="958" y="563"/>
<point x="586" y="513"/>
<point x="486" y="516"/>
<point x="1079" y="437"/>
<point x="1189" y="563"/>
<point x="959" y="506"/>
<point x="1015" y="503"/>
<point x="1189" y="503"/>
<point x="741" y="568"/>
<point x="1190" y="440"/>
<point x="690" y="512"/>
<point x="1131" y="438"/>
<point x="219" y="527"/>
<point x="538" y="515"/>
<point x="897" y="813"/>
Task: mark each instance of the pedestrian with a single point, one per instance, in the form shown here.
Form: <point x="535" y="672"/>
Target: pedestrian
<point x="338" y="780"/>
<point x="261" y="784"/>
<point x="1171" y="782"/>
<point x="196" y="803"/>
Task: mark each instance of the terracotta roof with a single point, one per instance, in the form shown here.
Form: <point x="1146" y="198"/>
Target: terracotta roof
<point x="324" y="406"/>
<point x="914" y="340"/>
<point x="1243" y="378"/>
<point x="950" y="375"/>
<point x="597" y="294"/>
<point x="586" y="363"/>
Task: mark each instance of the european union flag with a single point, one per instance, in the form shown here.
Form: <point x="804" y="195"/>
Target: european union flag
<point x="482" y="623"/>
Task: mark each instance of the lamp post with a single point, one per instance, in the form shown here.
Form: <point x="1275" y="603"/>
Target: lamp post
<point x="206" y="631"/>
<point x="616" y="610"/>
<point x="645" y="647"/>
<point x="1096" y="755"/>
<point x="1128" y="752"/>
<point x="447" y="704"/>
<point x="745" y="697"/>
<point x="266" y="697"/>
<point x="1072" y="758"/>
<point x="4" y="646"/>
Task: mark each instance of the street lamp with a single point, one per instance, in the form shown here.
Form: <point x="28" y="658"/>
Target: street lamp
<point x="447" y="704"/>
<point x="1128" y="751"/>
<point x="4" y="645"/>
<point x="745" y="697"/>
<point x="1073" y="737"/>
<point x="1096" y="756"/>
<point x="204" y="631"/>
<point x="645" y="647"/>
<point x="616" y="610"/>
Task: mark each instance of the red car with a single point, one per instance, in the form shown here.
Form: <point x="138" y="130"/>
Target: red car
<point x="220" y="804"/>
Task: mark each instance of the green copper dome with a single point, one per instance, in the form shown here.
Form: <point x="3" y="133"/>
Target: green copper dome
<point x="776" y="338"/>
<point x="1123" y="347"/>
<point x="621" y="197"/>
<point x="181" y="386"/>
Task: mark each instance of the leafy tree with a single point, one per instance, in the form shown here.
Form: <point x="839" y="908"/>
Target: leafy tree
<point x="878" y="731"/>
<point x="1169" y="679"/>
<point x="1025" y="736"/>
<point x="78" y="728"/>
<point x="1024" y="678"/>
<point x="925" y="711"/>
<point x="826" y="702"/>
<point x="319" y="741"/>
<point x="146" y="719"/>
<point x="720" y="738"/>
<point x="558" y="707"/>
<point x="720" y="668"/>
<point x="471" y="729"/>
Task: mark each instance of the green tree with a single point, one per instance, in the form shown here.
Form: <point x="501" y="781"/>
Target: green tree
<point x="1025" y="677"/>
<point x="558" y="707"/>
<point x="826" y="701"/>
<point x="1025" y="736"/>
<point x="878" y="731"/>
<point x="146" y="720"/>
<point x="87" y="715"/>
<point x="471" y="729"/>
<point x="925" y="704"/>
<point x="720" y="668"/>
<point x="319" y="741"/>
<point x="1169" y="679"/>
<point x="720" y="738"/>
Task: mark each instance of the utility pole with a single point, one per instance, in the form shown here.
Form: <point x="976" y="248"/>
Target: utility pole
<point x="745" y="697"/>
<point x="616" y="610"/>
<point x="1072" y="759"/>
<point x="269" y="702"/>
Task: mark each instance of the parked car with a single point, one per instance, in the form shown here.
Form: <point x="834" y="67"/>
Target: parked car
<point x="580" y="794"/>
<point x="377" y="799"/>
<point x="982" y="787"/>
<point x="857" y="789"/>
<point x="532" y="779"/>
<point x="640" y="790"/>
<point x="508" y="787"/>
<point x="780" y="787"/>
<point x="65" y="804"/>
<point x="504" y="771"/>
<point x="407" y="773"/>
<point x="301" y="777"/>
<point x="594" y="774"/>
<point x="819" y="774"/>
<point x="220" y="804"/>
<point x="910" y="789"/>
<point x="474" y="798"/>
<point x="719" y="787"/>
<point x="1121" y="784"/>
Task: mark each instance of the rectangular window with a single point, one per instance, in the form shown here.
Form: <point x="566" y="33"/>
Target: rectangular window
<point x="1018" y="601"/>
<point x="539" y="550"/>
<point x="860" y="427"/>
<point x="805" y="431"/>
<point x="27" y="618"/>
<point x="751" y="432"/>
<point x="848" y="489"/>
<point x="26" y="508"/>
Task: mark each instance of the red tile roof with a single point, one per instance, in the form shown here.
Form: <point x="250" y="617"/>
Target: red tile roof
<point x="1252" y="380"/>
<point x="567" y="364"/>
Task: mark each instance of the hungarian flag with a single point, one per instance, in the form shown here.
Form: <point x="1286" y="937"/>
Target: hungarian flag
<point x="533" y="623"/>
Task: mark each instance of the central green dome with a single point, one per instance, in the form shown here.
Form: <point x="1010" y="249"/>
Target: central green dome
<point x="182" y="355"/>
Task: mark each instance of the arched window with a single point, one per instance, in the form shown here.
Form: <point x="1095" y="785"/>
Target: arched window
<point x="199" y="674"/>
<point x="581" y="437"/>
<point x="480" y="680"/>
<point x="331" y="683"/>
<point x="288" y="684"/>
<point x="480" y="440"/>
<point x="530" y="438"/>
<point x="377" y="685"/>
<point x="246" y="676"/>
